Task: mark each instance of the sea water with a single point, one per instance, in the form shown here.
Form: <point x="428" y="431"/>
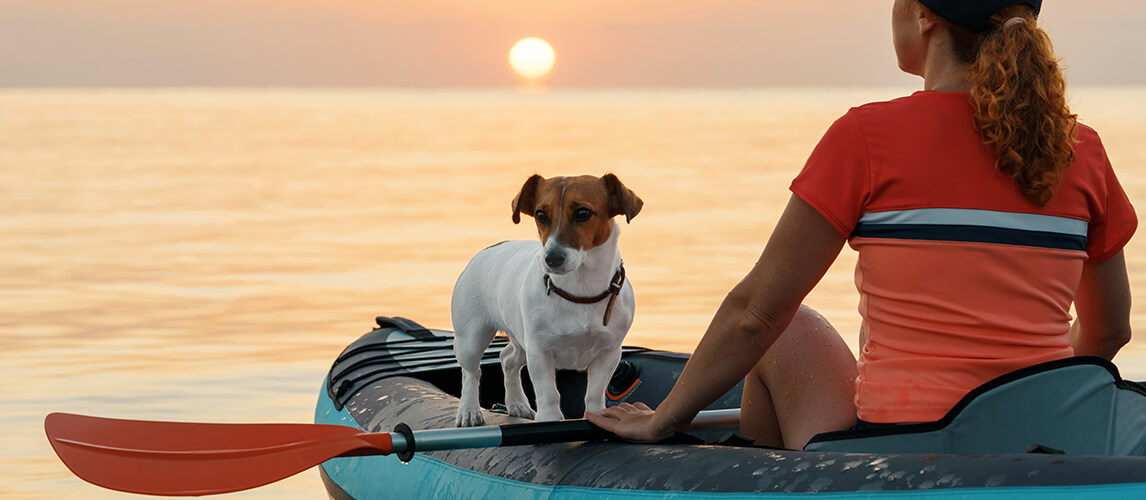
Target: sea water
<point x="203" y="255"/>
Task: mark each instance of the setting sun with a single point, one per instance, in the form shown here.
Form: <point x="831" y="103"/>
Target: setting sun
<point x="532" y="59"/>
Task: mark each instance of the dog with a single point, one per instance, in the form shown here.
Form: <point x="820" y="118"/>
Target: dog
<point x="563" y="301"/>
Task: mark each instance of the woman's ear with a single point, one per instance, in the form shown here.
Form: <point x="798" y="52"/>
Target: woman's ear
<point x="926" y="24"/>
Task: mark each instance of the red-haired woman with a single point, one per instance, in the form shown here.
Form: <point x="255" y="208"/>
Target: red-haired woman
<point x="980" y="209"/>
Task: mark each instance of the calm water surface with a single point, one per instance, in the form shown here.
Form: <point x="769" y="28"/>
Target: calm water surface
<point x="204" y="255"/>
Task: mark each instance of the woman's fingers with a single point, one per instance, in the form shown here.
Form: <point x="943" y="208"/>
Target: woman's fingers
<point x="606" y="419"/>
<point x="631" y="421"/>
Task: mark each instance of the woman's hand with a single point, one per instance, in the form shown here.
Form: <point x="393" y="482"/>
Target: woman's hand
<point x="628" y="421"/>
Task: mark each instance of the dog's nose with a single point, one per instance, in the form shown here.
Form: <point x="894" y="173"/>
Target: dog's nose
<point x="554" y="260"/>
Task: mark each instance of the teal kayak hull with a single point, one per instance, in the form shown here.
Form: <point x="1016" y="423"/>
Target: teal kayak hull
<point x="393" y="376"/>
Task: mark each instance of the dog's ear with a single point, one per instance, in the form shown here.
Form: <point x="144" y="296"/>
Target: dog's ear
<point x="526" y="200"/>
<point x="622" y="200"/>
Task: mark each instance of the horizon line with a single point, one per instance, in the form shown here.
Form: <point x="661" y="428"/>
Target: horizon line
<point x="508" y="88"/>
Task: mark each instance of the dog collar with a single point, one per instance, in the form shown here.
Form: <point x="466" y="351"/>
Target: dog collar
<point x="611" y="293"/>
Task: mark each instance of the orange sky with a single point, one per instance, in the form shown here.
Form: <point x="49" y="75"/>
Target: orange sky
<point x="462" y="43"/>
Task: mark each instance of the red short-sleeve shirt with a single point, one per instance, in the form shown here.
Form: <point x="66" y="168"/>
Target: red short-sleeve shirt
<point x="961" y="279"/>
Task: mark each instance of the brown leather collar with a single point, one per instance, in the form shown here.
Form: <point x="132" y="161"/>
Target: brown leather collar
<point x="611" y="293"/>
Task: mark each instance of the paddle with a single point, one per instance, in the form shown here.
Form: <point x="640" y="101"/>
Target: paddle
<point x="183" y="458"/>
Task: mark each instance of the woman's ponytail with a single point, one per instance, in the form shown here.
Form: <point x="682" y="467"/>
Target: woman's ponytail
<point x="1019" y="96"/>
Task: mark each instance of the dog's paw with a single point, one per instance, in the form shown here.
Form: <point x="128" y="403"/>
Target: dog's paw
<point x="549" y="415"/>
<point x="520" y="410"/>
<point x="595" y="407"/>
<point x="470" y="418"/>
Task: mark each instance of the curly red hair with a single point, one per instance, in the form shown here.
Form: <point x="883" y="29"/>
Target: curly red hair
<point x="1019" y="95"/>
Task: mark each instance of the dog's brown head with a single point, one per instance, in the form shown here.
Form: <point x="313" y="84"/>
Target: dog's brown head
<point x="575" y="210"/>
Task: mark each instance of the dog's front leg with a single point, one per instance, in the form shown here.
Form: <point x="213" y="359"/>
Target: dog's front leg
<point x="543" y="374"/>
<point x="600" y="371"/>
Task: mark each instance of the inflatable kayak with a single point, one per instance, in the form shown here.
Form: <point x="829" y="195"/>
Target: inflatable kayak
<point x="404" y="376"/>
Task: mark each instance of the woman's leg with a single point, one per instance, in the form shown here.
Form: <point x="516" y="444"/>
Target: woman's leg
<point x="804" y="385"/>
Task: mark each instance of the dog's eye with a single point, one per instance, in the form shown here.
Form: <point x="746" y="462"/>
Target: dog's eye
<point x="582" y="215"/>
<point x="541" y="216"/>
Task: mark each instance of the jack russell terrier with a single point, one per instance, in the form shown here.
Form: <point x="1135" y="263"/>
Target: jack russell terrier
<point x="564" y="301"/>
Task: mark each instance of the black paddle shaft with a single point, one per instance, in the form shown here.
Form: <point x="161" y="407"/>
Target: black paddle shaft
<point x="551" y="432"/>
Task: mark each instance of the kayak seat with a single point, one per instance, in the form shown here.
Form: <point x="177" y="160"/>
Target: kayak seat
<point x="1078" y="405"/>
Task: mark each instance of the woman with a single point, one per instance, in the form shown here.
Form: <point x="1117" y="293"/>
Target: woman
<point x="980" y="210"/>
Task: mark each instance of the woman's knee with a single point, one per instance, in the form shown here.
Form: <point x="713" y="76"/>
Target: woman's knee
<point x="809" y="335"/>
<point x="809" y="321"/>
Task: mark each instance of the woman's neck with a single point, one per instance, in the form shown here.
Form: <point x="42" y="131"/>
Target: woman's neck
<point x="947" y="81"/>
<point x="942" y="72"/>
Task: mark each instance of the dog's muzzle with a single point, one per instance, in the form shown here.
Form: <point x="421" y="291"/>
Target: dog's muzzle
<point x="560" y="259"/>
<point x="555" y="259"/>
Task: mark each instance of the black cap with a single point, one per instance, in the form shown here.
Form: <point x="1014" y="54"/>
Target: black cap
<point x="974" y="15"/>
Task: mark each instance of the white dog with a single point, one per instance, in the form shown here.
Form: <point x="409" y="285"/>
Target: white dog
<point x="564" y="301"/>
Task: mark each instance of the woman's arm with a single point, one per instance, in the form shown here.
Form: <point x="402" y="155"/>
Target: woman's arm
<point x="1103" y="307"/>
<point x="753" y="315"/>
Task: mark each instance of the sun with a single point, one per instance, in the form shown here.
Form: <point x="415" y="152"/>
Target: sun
<point x="532" y="60"/>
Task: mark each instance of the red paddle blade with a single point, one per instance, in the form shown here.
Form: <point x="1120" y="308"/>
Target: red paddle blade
<point x="183" y="459"/>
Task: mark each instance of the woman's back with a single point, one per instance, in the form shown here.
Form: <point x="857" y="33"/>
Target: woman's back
<point x="961" y="278"/>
